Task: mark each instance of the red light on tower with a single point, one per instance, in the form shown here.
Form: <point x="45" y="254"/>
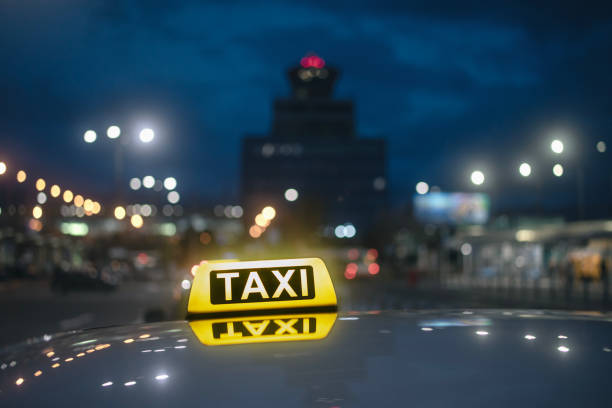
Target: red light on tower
<point x="312" y="61"/>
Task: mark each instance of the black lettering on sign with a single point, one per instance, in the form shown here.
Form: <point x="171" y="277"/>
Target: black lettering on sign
<point x="268" y="327"/>
<point x="261" y="285"/>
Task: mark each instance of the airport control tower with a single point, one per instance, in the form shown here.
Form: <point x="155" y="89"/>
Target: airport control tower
<point x="312" y="147"/>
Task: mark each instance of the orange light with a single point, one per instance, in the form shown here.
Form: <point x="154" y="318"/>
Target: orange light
<point x="19" y="381"/>
<point x="55" y="365"/>
<point x="96" y="207"/>
<point x="88" y="205"/>
<point x="80" y="354"/>
<point x="38" y="373"/>
<point x="40" y="184"/>
<point x="205" y="238"/>
<point x="69" y="359"/>
<point x="128" y="341"/>
<point x="255" y="231"/>
<point x="78" y="200"/>
<point x="21" y="176"/>
<point x="35" y="225"/>
<point x="50" y="354"/>
<point x="90" y="351"/>
<point x="68" y="196"/>
<point x="55" y="191"/>
<point x="144" y="336"/>
<point x="194" y="269"/>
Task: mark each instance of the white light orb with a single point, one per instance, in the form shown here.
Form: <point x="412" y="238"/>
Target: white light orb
<point x="422" y="187"/>
<point x="170" y="183"/>
<point x="291" y="194"/>
<point x="556" y="146"/>
<point x="146" y="135"/>
<point x="477" y="177"/>
<point x="525" y="169"/>
<point x="148" y="181"/>
<point x="113" y="132"/>
<point x="90" y="136"/>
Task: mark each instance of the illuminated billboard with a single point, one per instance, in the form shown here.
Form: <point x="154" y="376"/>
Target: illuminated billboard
<point x="452" y="208"/>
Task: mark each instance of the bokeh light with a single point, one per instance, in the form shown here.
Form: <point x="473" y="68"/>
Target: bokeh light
<point x="525" y="169"/>
<point x="136" y="221"/>
<point x="41" y="198"/>
<point x="146" y="135"/>
<point x="135" y="183"/>
<point x="119" y="212"/>
<point x="422" y="187"/>
<point x="556" y="146"/>
<point x="40" y="184"/>
<point x="79" y="200"/>
<point x="21" y="176"/>
<point x="170" y="183"/>
<point x="255" y="231"/>
<point x="268" y="213"/>
<point x="55" y="191"/>
<point x="148" y="181"/>
<point x="236" y="211"/>
<point x="68" y="196"/>
<point x="477" y="177"/>
<point x="291" y="194"/>
<point x="601" y="146"/>
<point x="90" y="136"/>
<point x="113" y="132"/>
<point x="2" y="168"/>
<point x="261" y="221"/>
<point x="173" y="197"/>
<point x="558" y="170"/>
<point x="37" y="212"/>
<point x="88" y="205"/>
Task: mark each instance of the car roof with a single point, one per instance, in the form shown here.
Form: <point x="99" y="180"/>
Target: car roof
<point x="458" y="358"/>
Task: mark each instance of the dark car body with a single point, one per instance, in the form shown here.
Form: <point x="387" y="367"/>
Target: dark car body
<point x="425" y="359"/>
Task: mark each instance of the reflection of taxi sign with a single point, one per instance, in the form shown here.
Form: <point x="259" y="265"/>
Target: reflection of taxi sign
<point x="263" y="329"/>
<point x="261" y="285"/>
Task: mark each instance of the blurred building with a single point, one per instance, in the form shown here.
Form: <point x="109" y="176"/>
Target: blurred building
<point x="313" y="147"/>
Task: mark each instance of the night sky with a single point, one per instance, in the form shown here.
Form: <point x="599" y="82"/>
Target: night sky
<point x="452" y="86"/>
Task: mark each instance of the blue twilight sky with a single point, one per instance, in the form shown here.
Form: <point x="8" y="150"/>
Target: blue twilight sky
<point x="451" y="85"/>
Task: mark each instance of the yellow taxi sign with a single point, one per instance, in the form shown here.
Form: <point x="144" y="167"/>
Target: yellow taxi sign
<point x="263" y="329"/>
<point x="261" y="285"/>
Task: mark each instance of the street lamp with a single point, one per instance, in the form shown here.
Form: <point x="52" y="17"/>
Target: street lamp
<point x="525" y="169"/>
<point x="422" y="187"/>
<point x="90" y="136"/>
<point x="146" y="135"/>
<point x="113" y="132"/>
<point x="556" y="146"/>
<point x="477" y="177"/>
